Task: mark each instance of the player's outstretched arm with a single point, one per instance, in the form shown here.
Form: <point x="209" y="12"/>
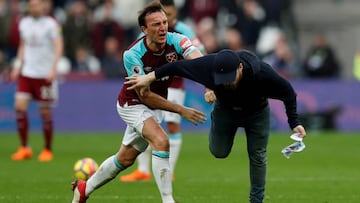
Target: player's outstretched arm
<point x="155" y="101"/>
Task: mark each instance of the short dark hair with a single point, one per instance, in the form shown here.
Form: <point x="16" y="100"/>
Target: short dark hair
<point x="154" y="6"/>
<point x="167" y="2"/>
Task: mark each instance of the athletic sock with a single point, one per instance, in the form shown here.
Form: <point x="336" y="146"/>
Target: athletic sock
<point x="161" y="173"/>
<point x="144" y="160"/>
<point x="47" y="130"/>
<point x="22" y="127"/>
<point x="175" y="147"/>
<point x="107" y="171"/>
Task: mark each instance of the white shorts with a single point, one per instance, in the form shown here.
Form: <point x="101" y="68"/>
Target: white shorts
<point x="134" y="116"/>
<point x="177" y="96"/>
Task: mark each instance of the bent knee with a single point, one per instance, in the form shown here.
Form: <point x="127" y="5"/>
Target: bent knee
<point x="219" y="154"/>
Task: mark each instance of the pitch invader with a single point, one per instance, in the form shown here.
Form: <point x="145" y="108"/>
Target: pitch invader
<point x="40" y="49"/>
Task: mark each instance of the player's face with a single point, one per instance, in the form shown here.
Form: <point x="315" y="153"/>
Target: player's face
<point x="156" y="28"/>
<point x="36" y="8"/>
<point x="238" y="77"/>
<point x="171" y="14"/>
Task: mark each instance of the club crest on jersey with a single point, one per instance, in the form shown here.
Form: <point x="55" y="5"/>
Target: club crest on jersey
<point x="135" y="69"/>
<point x="171" y="57"/>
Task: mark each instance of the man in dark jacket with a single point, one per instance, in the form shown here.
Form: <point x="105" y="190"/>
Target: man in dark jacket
<point x="242" y="84"/>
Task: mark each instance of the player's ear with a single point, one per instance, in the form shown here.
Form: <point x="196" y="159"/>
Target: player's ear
<point x="143" y="29"/>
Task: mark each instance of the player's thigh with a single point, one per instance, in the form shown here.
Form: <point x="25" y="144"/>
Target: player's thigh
<point x="222" y="132"/>
<point x="23" y="94"/>
<point x="136" y="118"/>
<point x="45" y="92"/>
<point x="177" y="96"/>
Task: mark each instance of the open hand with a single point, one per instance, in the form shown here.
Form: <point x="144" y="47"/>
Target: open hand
<point x="193" y="115"/>
<point x="137" y="81"/>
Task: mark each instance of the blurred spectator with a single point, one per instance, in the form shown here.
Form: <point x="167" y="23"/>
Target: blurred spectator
<point x="4" y="67"/>
<point x="321" y="61"/>
<point x="106" y="27"/>
<point x="206" y="31"/>
<point x="233" y="39"/>
<point x="356" y="68"/>
<point x="251" y="24"/>
<point x="57" y="13"/>
<point x="126" y="13"/>
<point x="76" y="28"/>
<point x="112" y="64"/>
<point x="85" y="62"/>
<point x="4" y="24"/>
<point x="282" y="58"/>
<point x="199" y="9"/>
<point x="14" y="34"/>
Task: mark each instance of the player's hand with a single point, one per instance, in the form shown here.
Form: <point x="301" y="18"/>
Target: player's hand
<point x="193" y="115"/>
<point x="52" y="75"/>
<point x="301" y="130"/>
<point x="138" y="81"/>
<point x="14" y="75"/>
<point x="209" y="96"/>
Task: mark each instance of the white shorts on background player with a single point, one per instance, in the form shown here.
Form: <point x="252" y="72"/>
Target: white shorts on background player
<point x="177" y="96"/>
<point x="134" y="116"/>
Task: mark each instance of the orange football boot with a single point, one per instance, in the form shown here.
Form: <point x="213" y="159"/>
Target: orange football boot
<point x="45" y="155"/>
<point x="22" y="153"/>
<point x="137" y="175"/>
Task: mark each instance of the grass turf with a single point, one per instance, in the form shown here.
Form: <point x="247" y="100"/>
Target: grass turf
<point x="326" y="172"/>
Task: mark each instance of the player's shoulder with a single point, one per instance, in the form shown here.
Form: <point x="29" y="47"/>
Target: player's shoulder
<point x="136" y="49"/>
<point x="174" y="37"/>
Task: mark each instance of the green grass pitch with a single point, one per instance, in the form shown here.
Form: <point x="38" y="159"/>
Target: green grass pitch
<point x="327" y="171"/>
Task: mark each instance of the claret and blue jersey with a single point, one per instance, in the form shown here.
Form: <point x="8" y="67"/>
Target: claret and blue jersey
<point x="139" y="59"/>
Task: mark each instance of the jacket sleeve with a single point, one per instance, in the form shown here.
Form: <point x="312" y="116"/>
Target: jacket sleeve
<point x="198" y="70"/>
<point x="276" y="87"/>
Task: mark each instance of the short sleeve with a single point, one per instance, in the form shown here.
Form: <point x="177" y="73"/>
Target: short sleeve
<point x="133" y="64"/>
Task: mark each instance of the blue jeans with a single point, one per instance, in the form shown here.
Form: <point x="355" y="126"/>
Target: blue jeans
<point x="224" y="125"/>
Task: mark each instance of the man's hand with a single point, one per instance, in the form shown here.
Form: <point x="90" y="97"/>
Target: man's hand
<point x="209" y="96"/>
<point x="14" y="75"/>
<point x="139" y="81"/>
<point x="193" y="115"/>
<point x="300" y="129"/>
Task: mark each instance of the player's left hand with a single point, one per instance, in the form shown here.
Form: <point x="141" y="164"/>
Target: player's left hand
<point x="52" y="75"/>
<point x="193" y="115"/>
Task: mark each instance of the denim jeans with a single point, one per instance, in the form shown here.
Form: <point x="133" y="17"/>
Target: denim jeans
<point x="224" y="124"/>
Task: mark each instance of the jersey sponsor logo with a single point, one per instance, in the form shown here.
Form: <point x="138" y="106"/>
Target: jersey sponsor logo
<point x="185" y="44"/>
<point x="171" y="57"/>
<point x="135" y="69"/>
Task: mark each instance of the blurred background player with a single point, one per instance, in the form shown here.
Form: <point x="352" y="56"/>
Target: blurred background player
<point x="176" y="94"/>
<point x="39" y="51"/>
<point x="144" y="113"/>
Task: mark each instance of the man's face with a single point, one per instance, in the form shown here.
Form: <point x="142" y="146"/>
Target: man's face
<point x="36" y="8"/>
<point x="156" y="27"/>
<point x="171" y="14"/>
<point x="238" y="77"/>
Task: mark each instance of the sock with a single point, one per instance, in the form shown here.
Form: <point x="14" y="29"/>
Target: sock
<point x="144" y="160"/>
<point x="175" y="147"/>
<point x="22" y="127"/>
<point x="107" y="171"/>
<point x="47" y="122"/>
<point x="161" y="173"/>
